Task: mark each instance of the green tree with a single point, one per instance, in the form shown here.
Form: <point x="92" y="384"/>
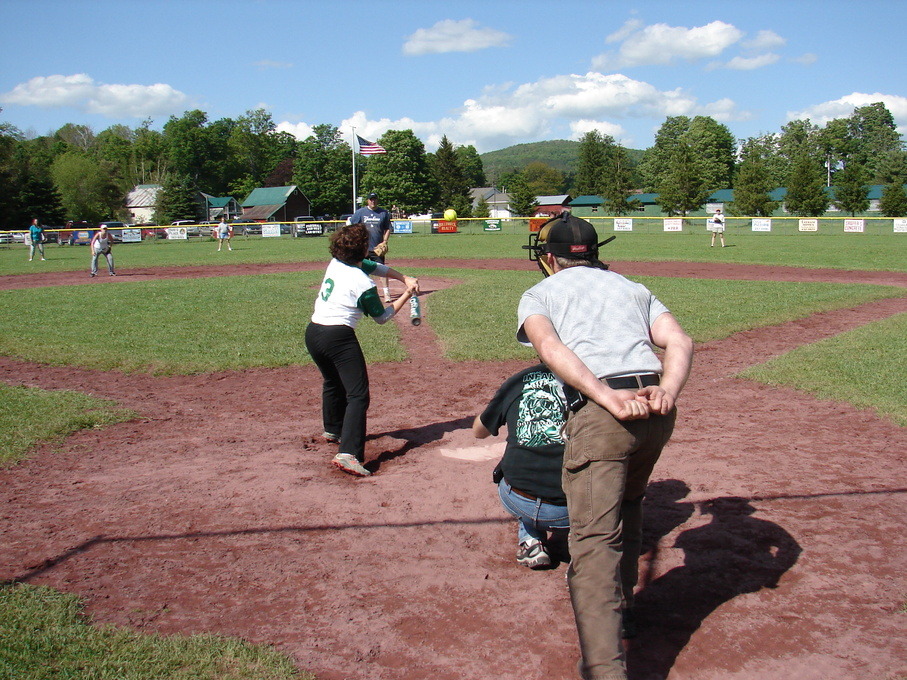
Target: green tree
<point x="837" y="146"/>
<point x="684" y="187"/>
<point x="618" y="183"/>
<point x="657" y="158"/>
<point x="522" y="198"/>
<point x="176" y="200"/>
<point x="323" y="171"/>
<point x="894" y="200"/>
<point x="88" y="191"/>
<point x="543" y="180"/>
<point x="753" y="184"/>
<point x="851" y="191"/>
<point x="472" y="166"/>
<point x="805" y="187"/>
<point x="766" y="149"/>
<point x="255" y="146"/>
<point x="453" y="187"/>
<point x="715" y="146"/>
<point x="893" y="173"/>
<point x="481" y="209"/>
<point x="875" y="135"/>
<point x="401" y="176"/>
<point x="594" y="151"/>
<point x="189" y="146"/>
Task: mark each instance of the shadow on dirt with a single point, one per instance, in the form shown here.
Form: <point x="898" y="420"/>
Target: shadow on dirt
<point x="734" y="553"/>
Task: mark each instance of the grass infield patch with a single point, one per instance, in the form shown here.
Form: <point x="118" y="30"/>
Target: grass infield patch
<point x="836" y="368"/>
<point x="29" y="415"/>
<point x="46" y="635"/>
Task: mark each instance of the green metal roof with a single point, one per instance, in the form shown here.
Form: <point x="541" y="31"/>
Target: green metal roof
<point x="268" y="196"/>
<point x="587" y="200"/>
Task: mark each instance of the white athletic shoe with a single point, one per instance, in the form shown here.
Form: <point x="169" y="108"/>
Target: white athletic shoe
<point x="348" y="463"/>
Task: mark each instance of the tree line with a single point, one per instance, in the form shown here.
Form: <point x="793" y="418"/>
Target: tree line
<point x="75" y="174"/>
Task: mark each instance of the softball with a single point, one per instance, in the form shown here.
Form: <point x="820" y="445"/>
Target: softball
<point x="450" y="214"/>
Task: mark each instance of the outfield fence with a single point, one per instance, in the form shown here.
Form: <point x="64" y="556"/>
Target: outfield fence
<point x="699" y="225"/>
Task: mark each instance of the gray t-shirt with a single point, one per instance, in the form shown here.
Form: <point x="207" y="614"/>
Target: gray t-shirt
<point x="603" y="317"/>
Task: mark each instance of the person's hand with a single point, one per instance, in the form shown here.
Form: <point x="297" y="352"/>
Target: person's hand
<point x="412" y="284"/>
<point x="657" y="398"/>
<point x="626" y="405"/>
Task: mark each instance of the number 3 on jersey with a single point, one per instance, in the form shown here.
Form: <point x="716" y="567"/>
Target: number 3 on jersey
<point x="327" y="288"/>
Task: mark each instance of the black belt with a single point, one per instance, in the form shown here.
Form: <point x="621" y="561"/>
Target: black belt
<point x="633" y="382"/>
<point x="526" y="494"/>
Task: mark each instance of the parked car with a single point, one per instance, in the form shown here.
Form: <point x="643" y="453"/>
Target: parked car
<point x="241" y="226"/>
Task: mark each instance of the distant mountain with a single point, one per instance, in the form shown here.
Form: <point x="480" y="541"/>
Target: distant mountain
<point x="562" y="154"/>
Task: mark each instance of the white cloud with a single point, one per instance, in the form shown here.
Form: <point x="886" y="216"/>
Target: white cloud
<point x="750" y="63"/>
<point x="660" y="44"/>
<point x="567" y="104"/>
<point x="807" y="59"/>
<point x="764" y="41"/>
<point x="80" y="91"/>
<point x="581" y="127"/>
<point x="843" y="107"/>
<point x="299" y="130"/>
<point x="268" y="63"/>
<point x="454" y="36"/>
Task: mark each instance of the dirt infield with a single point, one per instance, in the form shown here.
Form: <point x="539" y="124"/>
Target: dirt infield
<point x="775" y="531"/>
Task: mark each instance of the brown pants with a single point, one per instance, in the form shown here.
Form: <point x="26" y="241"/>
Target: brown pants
<point x="607" y="464"/>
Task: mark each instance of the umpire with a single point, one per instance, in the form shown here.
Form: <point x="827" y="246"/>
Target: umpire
<point x="597" y="331"/>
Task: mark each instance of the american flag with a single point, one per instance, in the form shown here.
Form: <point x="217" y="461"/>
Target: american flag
<point x="367" y="148"/>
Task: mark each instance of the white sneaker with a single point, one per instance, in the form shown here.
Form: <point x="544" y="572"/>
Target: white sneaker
<point x="348" y="463"/>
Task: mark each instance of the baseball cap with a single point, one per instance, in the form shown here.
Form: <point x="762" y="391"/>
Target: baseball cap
<point x="570" y="237"/>
<point x="372" y="195"/>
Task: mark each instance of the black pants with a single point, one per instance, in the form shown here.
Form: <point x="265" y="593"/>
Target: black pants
<point x="345" y="393"/>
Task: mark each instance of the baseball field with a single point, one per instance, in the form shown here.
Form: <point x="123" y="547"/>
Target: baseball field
<point x="182" y="490"/>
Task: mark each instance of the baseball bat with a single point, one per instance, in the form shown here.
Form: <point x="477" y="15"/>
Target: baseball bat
<point x="415" y="310"/>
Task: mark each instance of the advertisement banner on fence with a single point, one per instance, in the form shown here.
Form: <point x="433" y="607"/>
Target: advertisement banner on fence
<point x="444" y="227"/>
<point x="177" y="234"/>
<point x="673" y="224"/>
<point x="492" y="225"/>
<point x="900" y="225"/>
<point x="402" y="226"/>
<point x="854" y="226"/>
<point x="270" y="229"/>
<point x="809" y="225"/>
<point x="623" y="224"/>
<point x="762" y="224"/>
<point x="131" y="235"/>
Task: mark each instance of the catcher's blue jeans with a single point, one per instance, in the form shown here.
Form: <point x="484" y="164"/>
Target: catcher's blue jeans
<point x="345" y="392"/>
<point x="535" y="518"/>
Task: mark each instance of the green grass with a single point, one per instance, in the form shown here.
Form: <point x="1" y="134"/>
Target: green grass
<point x="29" y="415"/>
<point x="199" y="325"/>
<point x="864" y="367"/>
<point x="836" y="251"/>
<point x="175" y="325"/>
<point x="46" y="636"/>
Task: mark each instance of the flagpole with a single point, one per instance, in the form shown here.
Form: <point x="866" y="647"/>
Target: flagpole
<point x="353" y="145"/>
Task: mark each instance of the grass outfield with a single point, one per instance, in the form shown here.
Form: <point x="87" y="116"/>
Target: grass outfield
<point x="46" y="635"/>
<point x="197" y="325"/>
<point x="835" y="251"/>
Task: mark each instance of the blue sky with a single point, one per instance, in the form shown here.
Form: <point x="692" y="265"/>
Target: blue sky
<point x="492" y="73"/>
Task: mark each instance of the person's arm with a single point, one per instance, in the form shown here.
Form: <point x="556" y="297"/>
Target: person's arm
<point x="622" y="404"/>
<point x="408" y="281"/>
<point x="479" y="429"/>
<point x="677" y="362"/>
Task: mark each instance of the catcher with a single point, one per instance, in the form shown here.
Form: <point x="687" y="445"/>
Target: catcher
<point x="378" y="222"/>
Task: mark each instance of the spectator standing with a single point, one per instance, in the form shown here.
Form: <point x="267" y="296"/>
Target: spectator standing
<point x="36" y="238"/>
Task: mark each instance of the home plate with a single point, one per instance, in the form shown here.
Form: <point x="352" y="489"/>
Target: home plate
<point x="477" y="453"/>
